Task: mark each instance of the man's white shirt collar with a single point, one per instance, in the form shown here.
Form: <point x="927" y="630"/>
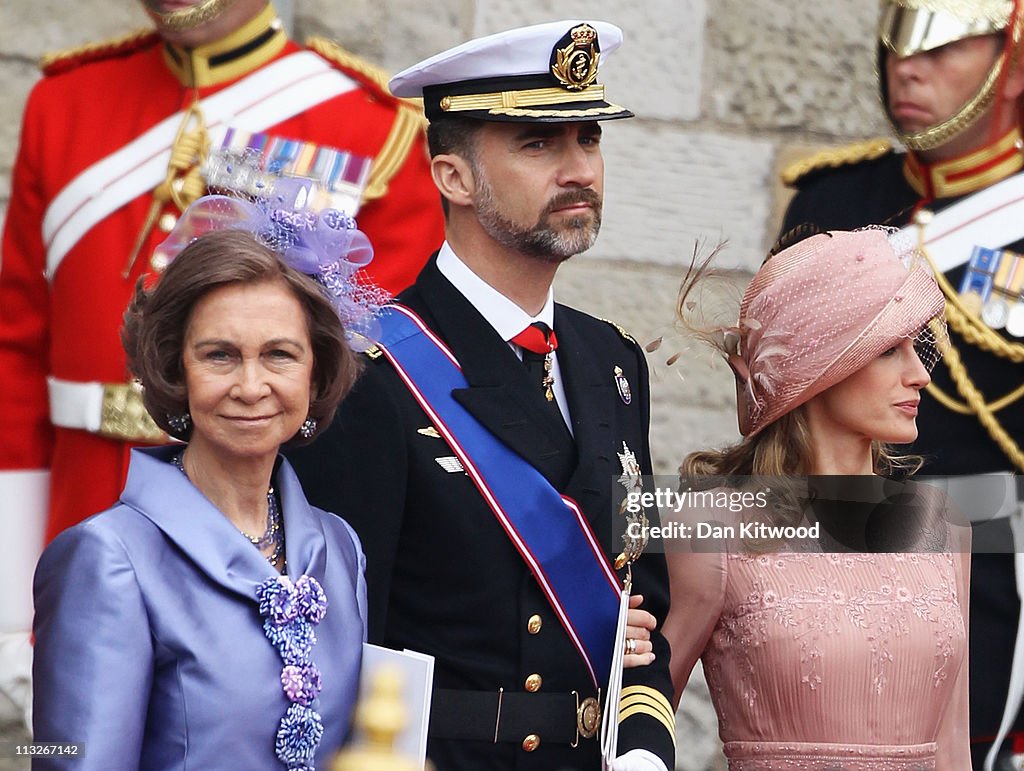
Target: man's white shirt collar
<point x="507" y="318"/>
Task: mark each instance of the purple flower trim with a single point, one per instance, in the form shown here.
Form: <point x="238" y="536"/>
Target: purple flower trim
<point x="312" y="601"/>
<point x="278" y="600"/>
<point x="294" y="642"/>
<point x="301" y="684"/>
<point x="297" y="738"/>
<point x="290" y="611"/>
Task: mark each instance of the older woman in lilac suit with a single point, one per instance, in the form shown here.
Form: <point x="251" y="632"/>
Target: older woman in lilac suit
<point x="212" y="618"/>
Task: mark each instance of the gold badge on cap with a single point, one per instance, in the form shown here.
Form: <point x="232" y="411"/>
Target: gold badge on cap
<point x="575" y="58"/>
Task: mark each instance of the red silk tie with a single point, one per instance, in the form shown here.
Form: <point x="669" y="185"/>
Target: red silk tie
<point x="538" y="343"/>
<point x="537" y="338"/>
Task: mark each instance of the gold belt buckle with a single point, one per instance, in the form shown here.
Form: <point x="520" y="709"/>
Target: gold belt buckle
<point x="124" y="416"/>
<point x="588" y="717"/>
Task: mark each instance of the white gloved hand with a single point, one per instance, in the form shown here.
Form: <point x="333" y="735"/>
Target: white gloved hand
<point x="638" y="760"/>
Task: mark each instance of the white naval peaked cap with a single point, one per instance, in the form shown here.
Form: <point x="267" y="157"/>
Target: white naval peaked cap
<point x="545" y="72"/>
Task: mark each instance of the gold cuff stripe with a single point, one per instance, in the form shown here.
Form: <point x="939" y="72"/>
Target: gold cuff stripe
<point x="532" y="97"/>
<point x="633" y="693"/>
<point x="643" y="709"/>
<point x="644" y="700"/>
<point x="646" y="706"/>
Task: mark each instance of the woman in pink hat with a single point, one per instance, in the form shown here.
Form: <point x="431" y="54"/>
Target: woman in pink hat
<point x="827" y="602"/>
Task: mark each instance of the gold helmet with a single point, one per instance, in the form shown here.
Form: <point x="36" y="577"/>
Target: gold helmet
<point x="908" y="27"/>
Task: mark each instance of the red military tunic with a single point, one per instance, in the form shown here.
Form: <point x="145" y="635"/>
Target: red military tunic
<point x="66" y="326"/>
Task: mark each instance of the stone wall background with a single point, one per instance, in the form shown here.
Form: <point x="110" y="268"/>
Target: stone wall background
<point x="726" y="92"/>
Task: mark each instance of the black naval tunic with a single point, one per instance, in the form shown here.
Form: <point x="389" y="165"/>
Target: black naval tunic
<point x="875" y="190"/>
<point x="443" y="576"/>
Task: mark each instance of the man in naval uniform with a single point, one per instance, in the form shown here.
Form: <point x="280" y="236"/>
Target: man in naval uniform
<point x="111" y="152"/>
<point x="951" y="84"/>
<point x="480" y="454"/>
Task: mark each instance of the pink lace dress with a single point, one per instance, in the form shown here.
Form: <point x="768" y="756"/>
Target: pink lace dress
<point x="828" y="661"/>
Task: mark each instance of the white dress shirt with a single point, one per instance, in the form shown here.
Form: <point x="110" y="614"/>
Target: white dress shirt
<point x="507" y="318"/>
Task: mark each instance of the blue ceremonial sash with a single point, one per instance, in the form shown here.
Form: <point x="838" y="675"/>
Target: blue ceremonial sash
<point x="547" y="528"/>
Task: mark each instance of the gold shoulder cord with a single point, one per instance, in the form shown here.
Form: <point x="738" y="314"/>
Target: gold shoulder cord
<point x="52" y="57"/>
<point x="625" y="335"/>
<point x="409" y="121"/>
<point x="408" y="124"/>
<point x="834" y="158"/>
<point x="975" y="333"/>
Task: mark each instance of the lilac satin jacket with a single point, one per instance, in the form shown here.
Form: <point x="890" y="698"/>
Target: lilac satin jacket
<point x="150" y="649"/>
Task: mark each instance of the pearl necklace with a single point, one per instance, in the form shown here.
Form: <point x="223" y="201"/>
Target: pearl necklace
<point x="274" y="534"/>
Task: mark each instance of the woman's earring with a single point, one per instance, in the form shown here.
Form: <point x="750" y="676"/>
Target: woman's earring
<point x="308" y="428"/>
<point x="180" y="424"/>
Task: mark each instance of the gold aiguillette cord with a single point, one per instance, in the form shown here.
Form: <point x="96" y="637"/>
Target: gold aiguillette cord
<point x="184" y="182"/>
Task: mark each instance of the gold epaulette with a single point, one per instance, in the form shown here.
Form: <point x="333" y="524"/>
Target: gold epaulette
<point x="365" y="72"/>
<point x="621" y="331"/>
<point x="56" y="62"/>
<point x="409" y="120"/>
<point x="835" y="157"/>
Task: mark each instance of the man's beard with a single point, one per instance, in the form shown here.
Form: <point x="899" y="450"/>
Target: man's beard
<point x="544" y="241"/>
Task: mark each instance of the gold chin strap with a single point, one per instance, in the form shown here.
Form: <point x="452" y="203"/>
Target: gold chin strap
<point x="941" y="133"/>
<point x="190" y="18"/>
<point x="975" y="332"/>
<point x="988" y="18"/>
<point x="184" y="181"/>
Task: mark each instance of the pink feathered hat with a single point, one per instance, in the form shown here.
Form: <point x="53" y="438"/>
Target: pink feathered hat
<point x="822" y="309"/>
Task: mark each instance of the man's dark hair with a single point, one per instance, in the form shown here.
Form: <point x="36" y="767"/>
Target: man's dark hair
<point x="453" y="136"/>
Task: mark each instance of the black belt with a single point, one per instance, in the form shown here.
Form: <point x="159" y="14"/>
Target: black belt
<point x="509" y="716"/>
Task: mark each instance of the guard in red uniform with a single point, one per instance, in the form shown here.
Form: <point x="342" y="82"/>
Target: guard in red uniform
<point x="112" y="150"/>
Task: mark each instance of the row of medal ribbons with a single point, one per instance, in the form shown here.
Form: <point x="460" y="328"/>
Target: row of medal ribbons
<point x="991" y="288"/>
